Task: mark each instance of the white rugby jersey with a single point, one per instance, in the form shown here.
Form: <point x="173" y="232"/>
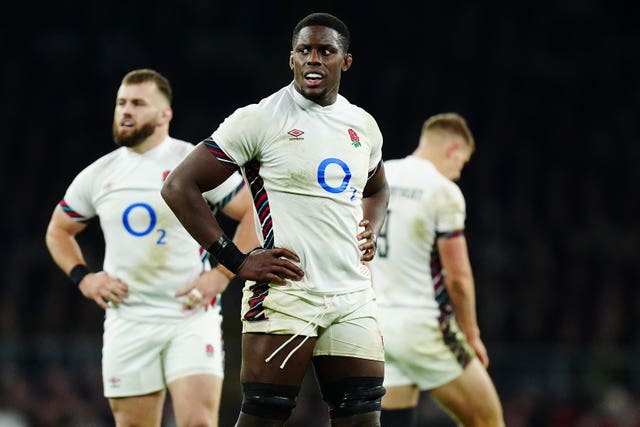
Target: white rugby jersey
<point x="423" y="205"/>
<point x="306" y="166"/>
<point x="146" y="247"/>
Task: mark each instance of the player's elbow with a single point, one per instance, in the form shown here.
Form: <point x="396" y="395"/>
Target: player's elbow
<point x="55" y="237"/>
<point x="54" y="232"/>
<point x="170" y="190"/>
<point x="49" y="237"/>
<point x="461" y="284"/>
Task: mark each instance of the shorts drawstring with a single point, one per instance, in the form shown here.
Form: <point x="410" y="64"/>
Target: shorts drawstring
<point x="315" y="322"/>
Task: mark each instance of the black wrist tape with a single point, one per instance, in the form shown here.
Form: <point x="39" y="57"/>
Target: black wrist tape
<point x="78" y="272"/>
<point x="227" y="253"/>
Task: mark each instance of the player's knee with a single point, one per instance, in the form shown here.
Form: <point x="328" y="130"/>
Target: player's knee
<point x="353" y="395"/>
<point x="272" y="401"/>
<point x="480" y="417"/>
<point x="199" y="419"/>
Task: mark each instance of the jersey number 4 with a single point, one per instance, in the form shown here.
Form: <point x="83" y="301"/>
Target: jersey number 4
<point x="383" y="238"/>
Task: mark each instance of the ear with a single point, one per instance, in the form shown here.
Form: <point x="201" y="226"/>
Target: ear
<point x="346" y="64"/>
<point x="167" y="115"/>
<point x="451" y="147"/>
<point x="291" y="60"/>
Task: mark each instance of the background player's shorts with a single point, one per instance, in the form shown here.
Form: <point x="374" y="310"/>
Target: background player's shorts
<point x="421" y="351"/>
<point x="345" y="324"/>
<point x="143" y="357"/>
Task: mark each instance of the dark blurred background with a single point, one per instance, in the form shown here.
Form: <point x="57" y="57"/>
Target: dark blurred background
<point x="551" y="91"/>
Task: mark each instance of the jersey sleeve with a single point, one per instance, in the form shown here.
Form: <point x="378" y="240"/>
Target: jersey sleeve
<point x="240" y="136"/>
<point x="218" y="197"/>
<point x="451" y="209"/>
<point x="78" y="199"/>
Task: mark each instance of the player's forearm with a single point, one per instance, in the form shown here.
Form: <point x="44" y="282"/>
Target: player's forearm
<point x="374" y="208"/>
<point x="64" y="249"/>
<point x="185" y="200"/>
<point x="375" y="199"/>
<point x="462" y="295"/>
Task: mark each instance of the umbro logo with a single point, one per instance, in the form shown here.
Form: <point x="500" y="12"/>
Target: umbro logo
<point x="296" y="134"/>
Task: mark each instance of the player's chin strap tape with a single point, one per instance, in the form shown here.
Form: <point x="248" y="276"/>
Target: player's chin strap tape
<point x="353" y="395"/>
<point x="272" y="401"/>
<point x="227" y="254"/>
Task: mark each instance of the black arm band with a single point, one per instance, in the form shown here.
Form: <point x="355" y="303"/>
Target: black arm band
<point x="78" y="272"/>
<point x="227" y="253"/>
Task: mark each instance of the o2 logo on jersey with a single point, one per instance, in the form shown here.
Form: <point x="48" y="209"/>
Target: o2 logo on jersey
<point x="153" y="219"/>
<point x="322" y="180"/>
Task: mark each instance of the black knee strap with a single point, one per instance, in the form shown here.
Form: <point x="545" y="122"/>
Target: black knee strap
<point x="273" y="401"/>
<point x="353" y="395"/>
<point x="398" y="417"/>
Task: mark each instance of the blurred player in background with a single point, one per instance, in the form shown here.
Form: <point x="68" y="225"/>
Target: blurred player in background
<point x="424" y="284"/>
<point x="314" y="165"/>
<point x="162" y="326"/>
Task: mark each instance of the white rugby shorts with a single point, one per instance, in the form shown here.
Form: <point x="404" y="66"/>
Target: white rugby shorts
<point x="421" y="351"/>
<point x="345" y="324"/>
<point x="143" y="357"/>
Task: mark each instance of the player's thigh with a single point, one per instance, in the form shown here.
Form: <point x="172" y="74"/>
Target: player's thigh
<point x="330" y="369"/>
<point x="138" y="411"/>
<point x="196" y="399"/>
<point x="195" y="347"/>
<point x="193" y="368"/>
<point x="401" y="397"/>
<point x="132" y="357"/>
<point x="354" y="333"/>
<point x="351" y="346"/>
<point x="258" y="347"/>
<point x="471" y="397"/>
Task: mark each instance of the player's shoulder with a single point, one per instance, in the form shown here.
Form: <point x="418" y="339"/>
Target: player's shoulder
<point x="346" y="105"/>
<point x="100" y="166"/>
<point x="421" y="172"/>
<point x="176" y="146"/>
<point x="265" y="117"/>
<point x="271" y="104"/>
<point x="444" y="185"/>
<point x="263" y="111"/>
<point x="368" y="119"/>
<point x="104" y="161"/>
<point x="361" y="119"/>
<point x="177" y="142"/>
<point x="448" y="193"/>
<point x="452" y="187"/>
<point x="412" y="166"/>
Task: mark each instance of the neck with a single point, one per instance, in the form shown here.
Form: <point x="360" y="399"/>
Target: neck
<point x="434" y="157"/>
<point x="423" y="153"/>
<point x="150" y="143"/>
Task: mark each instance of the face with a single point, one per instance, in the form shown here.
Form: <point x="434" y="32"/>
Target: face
<point x="140" y="110"/>
<point x="458" y="154"/>
<point x="318" y="61"/>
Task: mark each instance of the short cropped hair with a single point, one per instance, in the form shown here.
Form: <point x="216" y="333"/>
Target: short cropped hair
<point x="451" y="123"/>
<point x="324" y="20"/>
<point x="144" y="75"/>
